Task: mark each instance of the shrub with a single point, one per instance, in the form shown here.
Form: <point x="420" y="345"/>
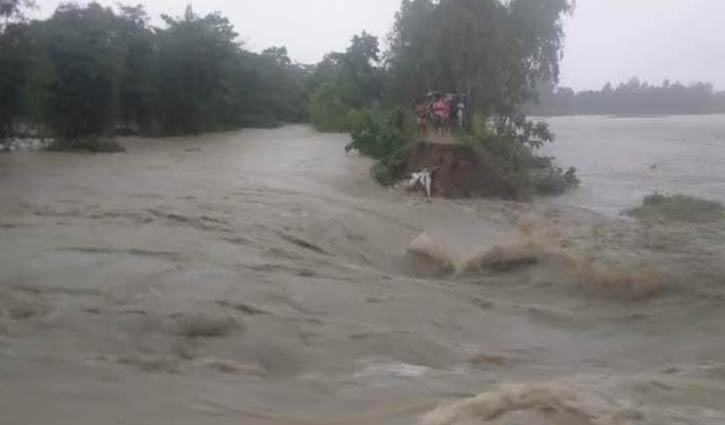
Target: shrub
<point x="512" y="184"/>
<point x="380" y="133"/>
<point x="86" y="144"/>
<point x="510" y="147"/>
<point x="390" y="170"/>
<point x="327" y="111"/>
<point x="553" y="180"/>
<point x="678" y="208"/>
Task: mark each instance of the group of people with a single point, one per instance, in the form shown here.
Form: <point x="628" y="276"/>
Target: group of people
<point x="440" y="112"/>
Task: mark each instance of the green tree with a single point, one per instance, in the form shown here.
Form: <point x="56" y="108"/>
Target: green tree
<point x="16" y="47"/>
<point x="195" y="73"/>
<point x="14" y="66"/>
<point x="495" y="52"/>
<point x="137" y="45"/>
<point x="275" y="86"/>
<point x="83" y="48"/>
<point x="345" y="83"/>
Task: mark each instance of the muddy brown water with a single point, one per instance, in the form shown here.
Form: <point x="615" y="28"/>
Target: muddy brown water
<point x="260" y="277"/>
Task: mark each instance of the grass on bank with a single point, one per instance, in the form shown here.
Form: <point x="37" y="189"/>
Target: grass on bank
<point x="678" y="208"/>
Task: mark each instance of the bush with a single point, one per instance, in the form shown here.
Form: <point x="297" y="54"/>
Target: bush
<point x="554" y="180"/>
<point x="86" y="144"/>
<point x="390" y="170"/>
<point x="380" y="133"/>
<point x="678" y="208"/>
<point x="327" y="111"/>
<point x="509" y="146"/>
<point x="512" y="184"/>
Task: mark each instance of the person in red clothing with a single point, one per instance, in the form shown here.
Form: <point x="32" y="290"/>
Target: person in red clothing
<point x="442" y="113"/>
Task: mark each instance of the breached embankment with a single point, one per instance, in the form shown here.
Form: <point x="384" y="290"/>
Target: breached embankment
<point x="458" y="172"/>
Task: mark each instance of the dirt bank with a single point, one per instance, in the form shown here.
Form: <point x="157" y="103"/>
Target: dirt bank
<point x="457" y="171"/>
<point x="262" y="277"/>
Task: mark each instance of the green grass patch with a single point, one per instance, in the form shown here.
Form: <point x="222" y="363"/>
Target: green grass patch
<point x="678" y="208"/>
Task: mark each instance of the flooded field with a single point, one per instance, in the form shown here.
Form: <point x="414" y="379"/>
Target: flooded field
<point x="261" y="277"/>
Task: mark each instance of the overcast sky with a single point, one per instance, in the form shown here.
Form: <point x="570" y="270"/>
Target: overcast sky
<point x="606" y="40"/>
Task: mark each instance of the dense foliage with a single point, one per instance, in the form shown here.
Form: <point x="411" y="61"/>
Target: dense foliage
<point x="345" y="83"/>
<point x="494" y="52"/>
<point x="512" y="150"/>
<point x="384" y="135"/>
<point x="630" y="98"/>
<point x="91" y="71"/>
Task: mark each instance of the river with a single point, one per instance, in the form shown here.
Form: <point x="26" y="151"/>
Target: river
<point x="261" y="277"/>
<point x="622" y="159"/>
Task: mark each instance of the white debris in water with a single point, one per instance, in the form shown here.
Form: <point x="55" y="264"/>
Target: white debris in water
<point x="385" y="372"/>
<point x="422" y="178"/>
<point x="404" y="370"/>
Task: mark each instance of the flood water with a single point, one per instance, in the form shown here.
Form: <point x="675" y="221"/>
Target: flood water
<point x="261" y="277"/>
<point x="622" y="159"/>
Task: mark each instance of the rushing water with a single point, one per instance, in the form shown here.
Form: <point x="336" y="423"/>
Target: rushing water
<point x="622" y="159"/>
<point x="261" y="277"/>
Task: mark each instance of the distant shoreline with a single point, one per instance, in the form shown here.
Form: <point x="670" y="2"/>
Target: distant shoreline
<point x="620" y="116"/>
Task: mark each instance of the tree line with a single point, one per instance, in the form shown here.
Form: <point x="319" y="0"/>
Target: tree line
<point x="94" y="70"/>
<point x="630" y="98"/>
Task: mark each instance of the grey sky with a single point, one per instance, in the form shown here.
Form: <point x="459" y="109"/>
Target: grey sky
<point x="606" y="40"/>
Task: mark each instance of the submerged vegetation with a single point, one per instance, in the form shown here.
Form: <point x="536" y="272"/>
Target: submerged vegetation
<point x="678" y="208"/>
